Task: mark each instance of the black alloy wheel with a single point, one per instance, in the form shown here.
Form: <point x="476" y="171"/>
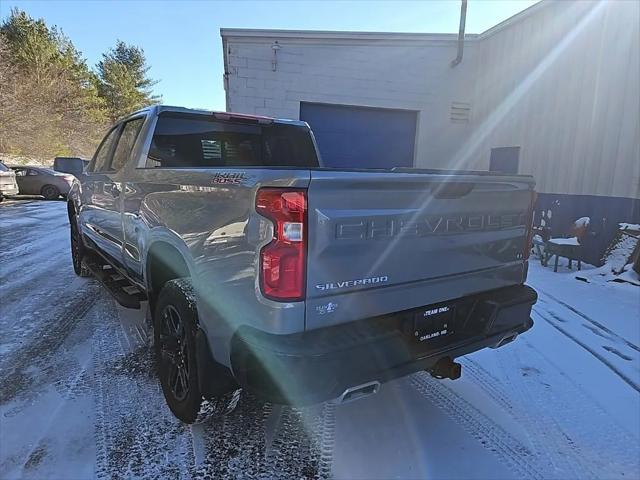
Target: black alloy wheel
<point x="174" y="352"/>
<point x="175" y="322"/>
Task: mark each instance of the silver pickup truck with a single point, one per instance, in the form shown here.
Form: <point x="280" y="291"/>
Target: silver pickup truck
<point x="266" y="271"/>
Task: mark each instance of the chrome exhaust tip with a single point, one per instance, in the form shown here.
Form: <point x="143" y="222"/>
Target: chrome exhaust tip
<point x="358" y="392"/>
<point x="508" y="339"/>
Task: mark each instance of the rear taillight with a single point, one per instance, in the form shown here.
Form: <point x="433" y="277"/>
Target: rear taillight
<point x="283" y="260"/>
<point x="529" y="234"/>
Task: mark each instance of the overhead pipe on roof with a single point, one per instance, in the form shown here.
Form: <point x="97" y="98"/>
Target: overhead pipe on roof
<point x="463" y="20"/>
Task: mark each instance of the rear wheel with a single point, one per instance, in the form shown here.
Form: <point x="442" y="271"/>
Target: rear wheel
<point x="77" y="251"/>
<point x="50" y="192"/>
<point x="175" y="323"/>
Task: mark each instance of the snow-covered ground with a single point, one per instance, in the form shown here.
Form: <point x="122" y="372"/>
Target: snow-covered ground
<point x="79" y="399"/>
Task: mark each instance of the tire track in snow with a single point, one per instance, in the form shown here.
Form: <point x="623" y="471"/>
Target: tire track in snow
<point x="549" y="442"/>
<point x="40" y="445"/>
<point x="597" y="324"/>
<point x="492" y="436"/>
<point x="259" y="440"/>
<point x="69" y="377"/>
<point x="234" y="443"/>
<point x="136" y="435"/>
<point x="304" y="444"/>
<point x="593" y="352"/>
<point x="585" y="425"/>
<point x="43" y="343"/>
<point x="327" y="440"/>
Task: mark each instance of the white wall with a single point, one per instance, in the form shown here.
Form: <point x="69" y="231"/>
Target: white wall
<point x="403" y="72"/>
<point x="560" y="80"/>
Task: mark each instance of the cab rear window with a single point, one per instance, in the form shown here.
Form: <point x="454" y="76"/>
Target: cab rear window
<point x="197" y="141"/>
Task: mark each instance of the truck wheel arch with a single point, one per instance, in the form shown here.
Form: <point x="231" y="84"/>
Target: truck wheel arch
<point x="164" y="262"/>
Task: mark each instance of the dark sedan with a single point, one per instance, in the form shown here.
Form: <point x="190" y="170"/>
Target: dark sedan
<point x="43" y="181"/>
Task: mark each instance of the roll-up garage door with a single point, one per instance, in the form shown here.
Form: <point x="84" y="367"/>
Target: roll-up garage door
<point x="361" y="137"/>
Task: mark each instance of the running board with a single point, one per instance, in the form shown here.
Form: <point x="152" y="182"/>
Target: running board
<point x="121" y="289"/>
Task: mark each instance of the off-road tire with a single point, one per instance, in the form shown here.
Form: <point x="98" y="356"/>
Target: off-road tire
<point x="50" y="192"/>
<point x="78" y="251"/>
<point x="175" y="322"/>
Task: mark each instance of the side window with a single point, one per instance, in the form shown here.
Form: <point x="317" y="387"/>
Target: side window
<point x="125" y="143"/>
<point x="102" y="157"/>
<point x="32" y="173"/>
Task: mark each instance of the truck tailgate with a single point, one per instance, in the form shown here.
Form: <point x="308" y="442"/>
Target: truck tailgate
<point x="382" y="242"/>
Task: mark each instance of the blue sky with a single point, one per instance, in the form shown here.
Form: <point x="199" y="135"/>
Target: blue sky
<point x="182" y="39"/>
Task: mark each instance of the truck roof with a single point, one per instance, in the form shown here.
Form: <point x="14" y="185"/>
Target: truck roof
<point x="157" y="109"/>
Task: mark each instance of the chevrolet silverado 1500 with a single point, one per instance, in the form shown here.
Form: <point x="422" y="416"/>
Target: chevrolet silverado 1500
<point x="266" y="271"/>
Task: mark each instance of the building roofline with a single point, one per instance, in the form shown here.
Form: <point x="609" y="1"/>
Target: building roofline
<point x="378" y="36"/>
<point x="339" y="35"/>
<point x="518" y="17"/>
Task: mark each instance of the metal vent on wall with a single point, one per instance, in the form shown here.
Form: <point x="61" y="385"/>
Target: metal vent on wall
<point x="460" y="112"/>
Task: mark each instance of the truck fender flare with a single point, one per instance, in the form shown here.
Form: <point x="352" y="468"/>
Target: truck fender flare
<point x="160" y="238"/>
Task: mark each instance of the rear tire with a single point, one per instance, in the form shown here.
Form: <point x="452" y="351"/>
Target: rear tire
<point x="78" y="251"/>
<point x="50" y="192"/>
<point x="175" y="323"/>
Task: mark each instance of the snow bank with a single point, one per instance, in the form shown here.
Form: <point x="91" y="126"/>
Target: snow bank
<point x="629" y="226"/>
<point x="617" y="266"/>
<point x="628" y="276"/>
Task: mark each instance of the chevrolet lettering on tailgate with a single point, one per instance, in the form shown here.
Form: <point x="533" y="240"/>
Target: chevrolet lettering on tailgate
<point x="364" y="228"/>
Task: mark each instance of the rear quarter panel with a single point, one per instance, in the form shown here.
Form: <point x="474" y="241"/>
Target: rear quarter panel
<point x="215" y="226"/>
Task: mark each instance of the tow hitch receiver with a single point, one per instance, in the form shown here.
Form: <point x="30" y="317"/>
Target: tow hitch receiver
<point x="446" y="368"/>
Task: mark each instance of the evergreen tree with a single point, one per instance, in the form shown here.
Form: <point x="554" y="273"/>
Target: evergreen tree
<point x="49" y="102"/>
<point x="123" y="81"/>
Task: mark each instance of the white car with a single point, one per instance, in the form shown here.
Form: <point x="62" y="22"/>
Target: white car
<point x="8" y="185"/>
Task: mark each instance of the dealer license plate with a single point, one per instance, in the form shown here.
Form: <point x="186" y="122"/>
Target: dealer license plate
<point x="433" y="322"/>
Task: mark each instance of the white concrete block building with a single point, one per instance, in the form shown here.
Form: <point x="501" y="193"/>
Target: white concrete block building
<point x="553" y="91"/>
